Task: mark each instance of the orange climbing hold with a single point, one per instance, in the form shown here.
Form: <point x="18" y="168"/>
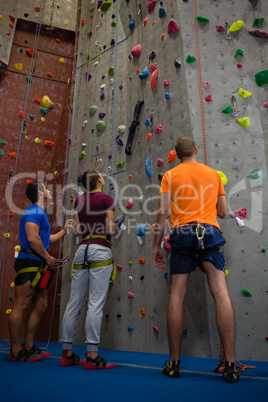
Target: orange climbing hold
<point x="49" y="143"/>
<point x="37" y="9"/>
<point x="153" y="22"/>
<point x="7" y="73"/>
<point x="162" y="36"/>
<point x="153" y="79"/>
<point x="31" y="52"/>
<point x="57" y="40"/>
<point x="11" y="213"/>
<point x="29" y="181"/>
<point x="129" y="177"/>
<point x="52" y="203"/>
<point x="10" y="25"/>
<point x="49" y="75"/>
<point x="149" y="136"/>
<point x="83" y="22"/>
<point x="171" y="156"/>
<point x="12" y="154"/>
<point x="37" y="100"/>
<point x="142" y="260"/>
<point x="21" y="113"/>
<point x="139" y="141"/>
<point x="138" y="70"/>
<point x="143" y="312"/>
<point x="145" y="21"/>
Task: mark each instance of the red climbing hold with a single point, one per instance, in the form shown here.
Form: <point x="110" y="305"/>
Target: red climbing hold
<point x="149" y="136"/>
<point x="136" y="51"/>
<point x="130" y="295"/>
<point x="12" y="17"/>
<point x="172" y="26"/>
<point x="138" y="70"/>
<point x="12" y="154"/>
<point x="265" y="104"/>
<point x="258" y="32"/>
<point x="29" y="181"/>
<point x="158" y="129"/>
<point x="142" y="261"/>
<point x="153" y="67"/>
<point x="37" y="9"/>
<point x="151" y="5"/>
<point x="130" y="203"/>
<point x="10" y="25"/>
<point x="7" y="73"/>
<point x="239" y="65"/>
<point x="21" y="113"/>
<point x="37" y="100"/>
<point x="49" y="75"/>
<point x="11" y="213"/>
<point x="57" y="40"/>
<point x="49" y="143"/>
<point x="129" y="177"/>
<point x="143" y="311"/>
<point x="219" y="28"/>
<point x="171" y="156"/>
<point x="153" y="79"/>
<point x="208" y="98"/>
<point x="166" y="83"/>
<point x="241" y="213"/>
<point x="83" y="22"/>
<point x="119" y="267"/>
<point x="160" y="162"/>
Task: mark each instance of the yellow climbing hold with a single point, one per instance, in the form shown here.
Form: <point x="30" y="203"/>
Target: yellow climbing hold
<point x="244" y="121"/>
<point x="236" y="26"/>
<point x="37" y="141"/>
<point x="1" y="18"/>
<point x="8" y="311"/>
<point x="223" y="177"/>
<point x="17" y="248"/>
<point x="61" y="60"/>
<point x="55" y="172"/>
<point x="226" y="272"/>
<point x="6" y="235"/>
<point x="244" y="94"/>
<point x="27" y="138"/>
<point x="47" y="102"/>
<point x="17" y="66"/>
<point x="43" y="120"/>
<point x="12" y="285"/>
<point x="66" y="23"/>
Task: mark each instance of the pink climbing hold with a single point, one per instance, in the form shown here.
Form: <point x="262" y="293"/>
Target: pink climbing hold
<point x="130" y="203"/>
<point x="265" y="104"/>
<point x="219" y="28"/>
<point x="172" y="26"/>
<point x="136" y="51"/>
<point x="166" y="243"/>
<point x="155" y="330"/>
<point x="241" y="213"/>
<point x="153" y="67"/>
<point x="160" y="162"/>
<point x="207" y="84"/>
<point x="119" y="267"/>
<point x="158" y="129"/>
<point x="151" y="5"/>
<point x="208" y="98"/>
<point x="166" y="83"/>
<point x="130" y="295"/>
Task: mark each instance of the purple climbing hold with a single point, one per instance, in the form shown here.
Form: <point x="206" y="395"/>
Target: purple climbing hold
<point x="92" y="130"/>
<point x="89" y="76"/>
<point x="110" y="157"/>
<point x="79" y="178"/>
<point x="102" y="115"/>
<point x="103" y="77"/>
<point x="102" y="96"/>
<point x="89" y="34"/>
<point x="119" y="140"/>
<point x="112" y="42"/>
<point x="99" y="3"/>
<point x="121" y="86"/>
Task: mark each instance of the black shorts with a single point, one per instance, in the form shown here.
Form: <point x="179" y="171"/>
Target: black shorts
<point x="30" y="276"/>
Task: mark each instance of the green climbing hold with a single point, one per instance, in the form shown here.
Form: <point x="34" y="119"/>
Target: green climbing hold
<point x="25" y="40"/>
<point x="113" y="24"/>
<point x="227" y="110"/>
<point x="130" y="263"/>
<point x="10" y="298"/>
<point x="203" y="19"/>
<point x="130" y="77"/>
<point x="88" y="56"/>
<point x="246" y="292"/>
<point x="32" y="116"/>
<point x="105" y="5"/>
<point x="92" y="9"/>
<point x="190" y="59"/>
<point x="263" y="250"/>
<point x="44" y="110"/>
<point x="92" y="110"/>
<point x="256" y="174"/>
<point x="29" y="79"/>
<point x="257" y="22"/>
<point x="21" y="50"/>
<point x="239" y="52"/>
<point x="2" y="142"/>
<point x="1" y="152"/>
<point x="82" y="155"/>
<point x="111" y="71"/>
<point x="261" y="78"/>
<point x="121" y="164"/>
<point x="101" y="125"/>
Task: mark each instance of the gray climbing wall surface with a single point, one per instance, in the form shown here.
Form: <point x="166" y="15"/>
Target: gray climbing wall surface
<point x="235" y="150"/>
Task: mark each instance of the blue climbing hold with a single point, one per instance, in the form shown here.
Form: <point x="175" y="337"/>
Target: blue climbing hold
<point x="132" y="24"/>
<point x="130" y="328"/>
<point x="144" y="73"/>
<point x="166" y="275"/>
<point x="162" y="12"/>
<point x="147" y="122"/>
<point x="141" y="229"/>
<point x="113" y="16"/>
<point x="148" y="167"/>
<point x="167" y="96"/>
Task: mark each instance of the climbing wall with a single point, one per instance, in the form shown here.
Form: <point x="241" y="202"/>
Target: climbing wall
<point x="27" y="122"/>
<point x="232" y="139"/>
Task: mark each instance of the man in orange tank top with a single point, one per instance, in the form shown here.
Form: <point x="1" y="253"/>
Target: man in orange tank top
<point x="196" y="195"/>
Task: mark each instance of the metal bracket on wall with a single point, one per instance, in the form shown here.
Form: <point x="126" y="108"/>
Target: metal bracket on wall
<point x="227" y="33"/>
<point x="235" y="112"/>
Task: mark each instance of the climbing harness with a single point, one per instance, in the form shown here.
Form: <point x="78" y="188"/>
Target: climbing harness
<point x="200" y="233"/>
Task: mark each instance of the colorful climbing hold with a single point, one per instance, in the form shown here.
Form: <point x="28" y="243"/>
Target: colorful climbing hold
<point x="151" y="5"/>
<point x="119" y="140"/>
<point x="149" y="136"/>
<point x="166" y="83"/>
<point x="12" y="17"/>
<point x="153" y="79"/>
<point x="130" y="203"/>
<point x="31" y="52"/>
<point x="2" y="142"/>
<point x="265" y="104"/>
<point x="220" y="28"/>
<point x="61" y="60"/>
<point x="208" y="98"/>
<point x="207" y="84"/>
<point x="37" y="9"/>
<point x="190" y="59"/>
<point x="244" y="93"/>
<point x="121" y="128"/>
<point x="143" y="312"/>
<point x="148" y="167"/>
<point x="162" y="36"/>
<point x="130" y="263"/>
<point x="236" y="26"/>
<point x="105" y="5"/>
<point x="29" y="181"/>
<point x="172" y="26"/>
<point x="167" y="95"/>
<point x="37" y="140"/>
<point x="47" y="102"/>
<point x="121" y="164"/>
<point x="177" y="63"/>
<point x="101" y="125"/>
<point x="17" y="248"/>
<point x="147" y="122"/>
<point x="258" y="32"/>
<point x="223" y="177"/>
<point x="131" y="24"/>
<point x="162" y="12"/>
<point x="241" y="213"/>
<point x="160" y="162"/>
<point x="49" y="75"/>
<point x="130" y="295"/>
<point x="257" y="22"/>
<point x="153" y="67"/>
<point x="246" y="292"/>
<point x="227" y="110"/>
<point x="155" y="330"/>
<point x="32" y="116"/>
<point x="119" y="267"/>
<point x="203" y="19"/>
<point x="244" y="121"/>
<point x="142" y="261"/>
<point x="171" y="156"/>
<point x="144" y="73"/>
<point x="37" y="100"/>
<point x="83" y="22"/>
<point x="239" y="65"/>
<point x="256" y="175"/>
<point x="42" y="119"/>
<point x="239" y="52"/>
<point x="82" y="155"/>
<point x="12" y="154"/>
<point x="92" y="110"/>
<point x="21" y="114"/>
<point x="18" y="66"/>
<point x="130" y="328"/>
<point x="141" y="229"/>
<point x="111" y="71"/>
<point x="129" y="177"/>
<point x="6" y="235"/>
<point x="49" y="143"/>
<point x="158" y="129"/>
<point x="136" y="51"/>
<point x="44" y="110"/>
<point x="261" y="78"/>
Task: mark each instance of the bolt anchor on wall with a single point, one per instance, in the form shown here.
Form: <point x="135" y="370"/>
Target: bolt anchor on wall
<point x="235" y="112"/>
<point x="227" y="33"/>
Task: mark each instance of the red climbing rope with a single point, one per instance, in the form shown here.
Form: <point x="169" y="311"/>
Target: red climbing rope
<point x="201" y="97"/>
<point x="219" y="368"/>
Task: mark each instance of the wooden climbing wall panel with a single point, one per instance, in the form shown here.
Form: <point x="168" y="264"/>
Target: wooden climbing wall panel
<point x="35" y="159"/>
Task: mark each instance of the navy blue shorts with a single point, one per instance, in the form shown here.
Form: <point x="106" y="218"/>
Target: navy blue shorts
<point x="184" y="237"/>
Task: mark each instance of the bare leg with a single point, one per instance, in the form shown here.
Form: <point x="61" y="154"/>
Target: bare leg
<point x="178" y="292"/>
<point x="39" y="306"/>
<point x="23" y="295"/>
<point x="225" y="317"/>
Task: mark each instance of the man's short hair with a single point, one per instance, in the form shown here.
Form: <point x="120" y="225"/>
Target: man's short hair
<point x="90" y="179"/>
<point x="32" y="190"/>
<point x="185" y="147"/>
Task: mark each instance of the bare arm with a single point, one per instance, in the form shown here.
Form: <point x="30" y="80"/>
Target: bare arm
<point x="35" y="242"/>
<point x="160" y="224"/>
<point x="57" y="236"/>
<point x="111" y="228"/>
<point x="222" y="206"/>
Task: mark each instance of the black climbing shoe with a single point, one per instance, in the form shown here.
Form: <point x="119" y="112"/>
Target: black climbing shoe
<point x="172" y="370"/>
<point x="230" y="372"/>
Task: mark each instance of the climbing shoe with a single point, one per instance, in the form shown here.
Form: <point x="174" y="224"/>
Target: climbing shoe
<point x="97" y="363"/>
<point x="172" y="370"/>
<point x="70" y="360"/>
<point x="25" y="356"/>
<point x="36" y="350"/>
<point x="230" y="372"/>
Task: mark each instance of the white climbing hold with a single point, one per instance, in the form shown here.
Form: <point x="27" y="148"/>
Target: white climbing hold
<point x="111" y="81"/>
<point x="240" y="222"/>
<point x="84" y="123"/>
<point x="96" y="63"/>
<point x="121" y="129"/>
<point x="103" y="86"/>
<point x="83" y="144"/>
